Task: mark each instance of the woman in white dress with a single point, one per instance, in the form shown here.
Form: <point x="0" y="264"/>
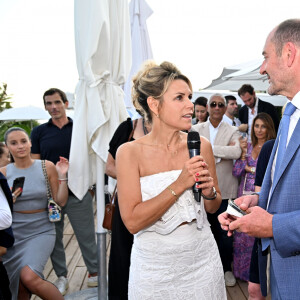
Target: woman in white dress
<point x="174" y="255"/>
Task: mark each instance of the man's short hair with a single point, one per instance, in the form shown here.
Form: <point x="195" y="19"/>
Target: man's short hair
<point x="217" y="95"/>
<point x="228" y="98"/>
<point x="201" y="101"/>
<point x="52" y="91"/>
<point x="287" y="31"/>
<point x="246" y="88"/>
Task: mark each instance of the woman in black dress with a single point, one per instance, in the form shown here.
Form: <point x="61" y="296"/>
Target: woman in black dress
<point x="121" y="239"/>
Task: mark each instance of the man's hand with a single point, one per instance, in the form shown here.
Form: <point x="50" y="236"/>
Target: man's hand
<point x="244" y="202"/>
<point x="225" y="220"/>
<point x="257" y="223"/>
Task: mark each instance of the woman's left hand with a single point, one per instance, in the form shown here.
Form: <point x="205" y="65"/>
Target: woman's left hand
<point x="62" y="166"/>
<point x="16" y="193"/>
<point x="205" y="181"/>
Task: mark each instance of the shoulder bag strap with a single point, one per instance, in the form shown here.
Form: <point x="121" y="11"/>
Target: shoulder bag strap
<point x="49" y="196"/>
<point x="134" y="123"/>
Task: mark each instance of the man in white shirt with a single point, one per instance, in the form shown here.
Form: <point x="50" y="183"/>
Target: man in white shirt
<point x="231" y="111"/>
<point x="276" y="218"/>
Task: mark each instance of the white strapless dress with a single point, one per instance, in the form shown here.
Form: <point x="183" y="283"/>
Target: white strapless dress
<point x="169" y="261"/>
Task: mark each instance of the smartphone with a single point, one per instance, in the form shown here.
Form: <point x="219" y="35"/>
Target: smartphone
<point x="244" y="135"/>
<point x="18" y="183"/>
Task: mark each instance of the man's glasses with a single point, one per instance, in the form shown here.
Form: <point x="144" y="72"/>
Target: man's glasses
<point x="214" y="104"/>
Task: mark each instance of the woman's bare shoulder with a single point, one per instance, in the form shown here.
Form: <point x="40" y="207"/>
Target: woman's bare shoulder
<point x="128" y="149"/>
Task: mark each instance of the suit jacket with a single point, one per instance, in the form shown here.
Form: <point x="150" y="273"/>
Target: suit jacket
<point x="284" y="204"/>
<point x="226" y="133"/>
<point x="262" y="107"/>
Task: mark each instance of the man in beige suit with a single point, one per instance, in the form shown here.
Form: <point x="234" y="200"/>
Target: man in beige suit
<point x="224" y="139"/>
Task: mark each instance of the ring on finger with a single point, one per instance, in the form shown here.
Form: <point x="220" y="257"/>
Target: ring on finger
<point x="13" y="195"/>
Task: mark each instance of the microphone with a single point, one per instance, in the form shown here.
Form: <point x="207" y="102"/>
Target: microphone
<point x="194" y="143"/>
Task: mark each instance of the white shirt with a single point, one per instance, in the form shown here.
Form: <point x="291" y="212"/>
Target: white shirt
<point x="212" y="136"/>
<point x="5" y="213"/>
<point x="251" y="118"/>
<point x="230" y="121"/>
<point x="293" y="122"/>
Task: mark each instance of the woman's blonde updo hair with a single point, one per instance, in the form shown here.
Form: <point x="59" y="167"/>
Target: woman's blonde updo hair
<point x="153" y="81"/>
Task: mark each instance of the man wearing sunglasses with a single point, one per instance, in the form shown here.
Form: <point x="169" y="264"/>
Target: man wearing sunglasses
<point x="224" y="139"/>
<point x="253" y="106"/>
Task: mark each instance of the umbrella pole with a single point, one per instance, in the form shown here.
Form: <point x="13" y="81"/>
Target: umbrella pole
<point x="101" y="254"/>
<point x="101" y="232"/>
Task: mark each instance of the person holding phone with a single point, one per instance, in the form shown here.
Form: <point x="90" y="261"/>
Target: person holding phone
<point x="34" y="233"/>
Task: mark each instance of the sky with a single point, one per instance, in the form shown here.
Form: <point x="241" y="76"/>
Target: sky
<point x="201" y="37"/>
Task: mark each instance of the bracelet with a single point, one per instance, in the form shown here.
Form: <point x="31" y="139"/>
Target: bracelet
<point x="172" y="192"/>
<point x="213" y="197"/>
<point x="62" y="179"/>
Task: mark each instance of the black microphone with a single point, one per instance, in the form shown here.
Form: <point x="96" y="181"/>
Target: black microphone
<point x="194" y="143"/>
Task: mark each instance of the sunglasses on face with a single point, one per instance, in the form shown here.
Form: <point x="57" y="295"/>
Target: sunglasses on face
<point x="214" y="104"/>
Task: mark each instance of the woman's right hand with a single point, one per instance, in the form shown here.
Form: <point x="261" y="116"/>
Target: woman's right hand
<point x="190" y="172"/>
<point x="243" y="144"/>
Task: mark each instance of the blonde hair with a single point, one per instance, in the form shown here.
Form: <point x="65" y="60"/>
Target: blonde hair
<point x="153" y="81"/>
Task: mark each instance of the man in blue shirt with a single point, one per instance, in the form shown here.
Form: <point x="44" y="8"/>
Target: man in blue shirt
<point x="50" y="141"/>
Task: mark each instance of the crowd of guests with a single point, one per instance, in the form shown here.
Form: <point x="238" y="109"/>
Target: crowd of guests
<point x="166" y="244"/>
<point x="27" y="237"/>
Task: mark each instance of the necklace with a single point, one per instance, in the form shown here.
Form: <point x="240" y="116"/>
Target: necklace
<point x="176" y="150"/>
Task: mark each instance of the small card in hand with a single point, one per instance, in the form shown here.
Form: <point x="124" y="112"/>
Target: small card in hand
<point x="234" y="210"/>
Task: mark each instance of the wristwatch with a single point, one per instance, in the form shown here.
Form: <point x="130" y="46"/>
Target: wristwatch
<point x="211" y="198"/>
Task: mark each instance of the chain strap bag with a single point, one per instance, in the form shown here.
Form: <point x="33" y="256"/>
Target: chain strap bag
<point x="54" y="210"/>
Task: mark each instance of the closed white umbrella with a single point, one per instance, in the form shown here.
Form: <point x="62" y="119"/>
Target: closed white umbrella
<point x="24" y="113"/>
<point x="139" y="11"/>
<point x="103" y="55"/>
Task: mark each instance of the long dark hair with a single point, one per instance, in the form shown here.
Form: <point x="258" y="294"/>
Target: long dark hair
<point x="268" y="122"/>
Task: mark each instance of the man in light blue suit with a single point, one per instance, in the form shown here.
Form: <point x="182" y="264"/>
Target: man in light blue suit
<point x="275" y="216"/>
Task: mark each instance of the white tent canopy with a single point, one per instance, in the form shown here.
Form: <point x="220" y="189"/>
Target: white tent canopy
<point x="233" y="77"/>
<point x="25" y="113"/>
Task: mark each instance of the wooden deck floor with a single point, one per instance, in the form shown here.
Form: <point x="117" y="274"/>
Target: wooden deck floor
<point x="77" y="272"/>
